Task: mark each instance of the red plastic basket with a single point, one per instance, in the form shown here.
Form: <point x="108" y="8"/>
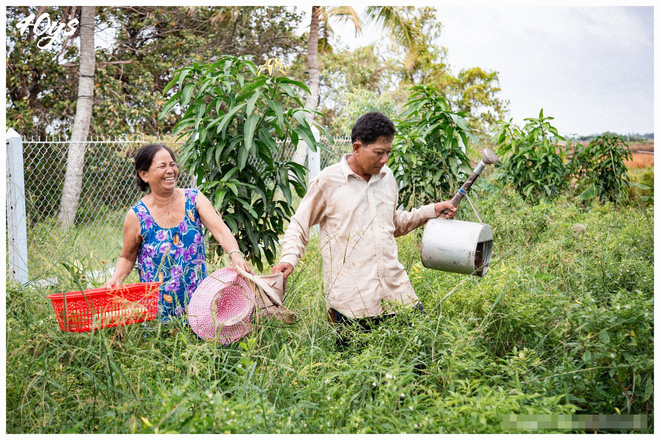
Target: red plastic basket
<point x="82" y="311"/>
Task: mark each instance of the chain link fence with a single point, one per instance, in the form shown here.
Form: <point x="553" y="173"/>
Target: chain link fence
<point x="108" y="191"/>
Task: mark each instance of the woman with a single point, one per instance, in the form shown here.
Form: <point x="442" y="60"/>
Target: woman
<point x="163" y="231"/>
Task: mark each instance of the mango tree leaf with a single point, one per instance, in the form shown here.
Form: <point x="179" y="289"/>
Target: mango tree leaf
<point x="249" y="129"/>
<point x="222" y="126"/>
<point x="187" y="94"/>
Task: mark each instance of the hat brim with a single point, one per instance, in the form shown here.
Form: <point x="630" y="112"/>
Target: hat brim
<point x="221" y="307"/>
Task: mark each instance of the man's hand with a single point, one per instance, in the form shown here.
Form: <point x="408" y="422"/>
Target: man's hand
<point x="441" y="206"/>
<point x="285" y="268"/>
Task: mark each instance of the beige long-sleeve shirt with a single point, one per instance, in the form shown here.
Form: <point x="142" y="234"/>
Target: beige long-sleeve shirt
<point x="358" y="225"/>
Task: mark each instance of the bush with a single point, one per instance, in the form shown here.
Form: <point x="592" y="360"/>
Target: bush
<point x="562" y="324"/>
<point x="531" y="160"/>
<point x="600" y="168"/>
<point x="428" y="158"/>
<point x="234" y="115"/>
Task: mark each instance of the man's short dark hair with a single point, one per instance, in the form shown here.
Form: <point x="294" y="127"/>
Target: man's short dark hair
<point x="371" y="126"/>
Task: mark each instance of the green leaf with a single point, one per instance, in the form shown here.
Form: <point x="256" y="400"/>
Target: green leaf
<point x="245" y="91"/>
<point x="230" y="173"/>
<point x="242" y="157"/>
<point x="279" y="113"/>
<point x="266" y="138"/>
<point x="288" y="90"/>
<point x="248" y="130"/>
<point x="184" y="74"/>
<point x="233" y="187"/>
<point x="182" y="125"/>
<point x="251" y="103"/>
<point x="284" y="79"/>
<point x="222" y="126"/>
<point x="604" y="337"/>
<point x="186" y="94"/>
<point x="200" y="110"/>
<point x="306" y="134"/>
<point x="174" y="100"/>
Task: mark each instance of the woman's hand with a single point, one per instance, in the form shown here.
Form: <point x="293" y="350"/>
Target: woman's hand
<point x="237" y="260"/>
<point x="111" y="283"/>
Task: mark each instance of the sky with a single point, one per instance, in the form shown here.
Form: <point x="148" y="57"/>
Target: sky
<point x="589" y="67"/>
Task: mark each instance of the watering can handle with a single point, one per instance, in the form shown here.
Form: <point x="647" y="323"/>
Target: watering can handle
<point x="489" y="157"/>
<point x="456" y="200"/>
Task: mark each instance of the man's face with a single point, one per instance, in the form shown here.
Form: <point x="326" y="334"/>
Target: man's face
<point x="371" y="158"/>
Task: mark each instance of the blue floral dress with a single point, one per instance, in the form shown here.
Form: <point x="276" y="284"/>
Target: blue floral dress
<point x="174" y="256"/>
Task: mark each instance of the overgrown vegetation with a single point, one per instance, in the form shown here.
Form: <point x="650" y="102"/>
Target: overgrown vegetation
<point x="561" y="324"/>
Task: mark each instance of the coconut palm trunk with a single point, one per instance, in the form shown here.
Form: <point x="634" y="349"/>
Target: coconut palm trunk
<point x="311" y="102"/>
<point x="80" y="130"/>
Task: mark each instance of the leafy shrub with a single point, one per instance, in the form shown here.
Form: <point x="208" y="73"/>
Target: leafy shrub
<point x="234" y="116"/>
<point x="530" y="158"/>
<point x="600" y="167"/>
<point x="428" y="157"/>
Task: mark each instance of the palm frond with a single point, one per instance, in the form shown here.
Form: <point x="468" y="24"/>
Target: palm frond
<point x="389" y="18"/>
<point x="344" y="14"/>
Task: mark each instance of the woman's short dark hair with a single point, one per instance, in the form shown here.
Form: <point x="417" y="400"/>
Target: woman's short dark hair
<point x="371" y="126"/>
<point x="143" y="159"/>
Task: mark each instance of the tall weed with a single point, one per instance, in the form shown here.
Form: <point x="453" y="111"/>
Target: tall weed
<point x="561" y="324"/>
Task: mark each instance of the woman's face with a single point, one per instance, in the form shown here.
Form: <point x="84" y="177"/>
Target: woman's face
<point x="162" y="173"/>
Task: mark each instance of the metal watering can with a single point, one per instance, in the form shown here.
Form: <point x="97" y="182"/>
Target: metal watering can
<point x="459" y="246"/>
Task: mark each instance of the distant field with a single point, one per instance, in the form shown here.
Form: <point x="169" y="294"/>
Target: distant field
<point x="641" y="160"/>
<point x="641" y="146"/>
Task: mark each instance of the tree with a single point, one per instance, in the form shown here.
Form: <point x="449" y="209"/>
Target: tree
<point x="235" y="117"/>
<point x="472" y="91"/>
<point x="428" y="159"/>
<point x="40" y="91"/>
<point x="134" y="64"/>
<point x="531" y="159"/>
<point x="388" y="69"/>
<point x="600" y="167"/>
<point x="80" y="130"/>
<point x="152" y="42"/>
<point x="388" y="17"/>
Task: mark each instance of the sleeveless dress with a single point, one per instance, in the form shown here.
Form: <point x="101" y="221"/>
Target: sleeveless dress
<point x="174" y="256"/>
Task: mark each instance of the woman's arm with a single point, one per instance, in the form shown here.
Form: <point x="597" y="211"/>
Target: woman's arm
<point x="220" y="231"/>
<point x="132" y="241"/>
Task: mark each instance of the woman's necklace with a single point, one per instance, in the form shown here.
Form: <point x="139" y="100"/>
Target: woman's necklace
<point x="170" y="217"/>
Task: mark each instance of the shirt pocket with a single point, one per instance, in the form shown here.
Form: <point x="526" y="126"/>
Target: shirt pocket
<point x="384" y="201"/>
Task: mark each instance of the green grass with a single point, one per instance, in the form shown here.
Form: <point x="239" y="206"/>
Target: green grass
<point x="562" y="324"/>
<point x="89" y="247"/>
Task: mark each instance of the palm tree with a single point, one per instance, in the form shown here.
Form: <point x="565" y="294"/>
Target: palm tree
<point x="80" y="129"/>
<point x="389" y="18"/>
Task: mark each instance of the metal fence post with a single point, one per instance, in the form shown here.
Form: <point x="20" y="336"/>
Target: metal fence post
<point x="16" y="219"/>
<point x="314" y="157"/>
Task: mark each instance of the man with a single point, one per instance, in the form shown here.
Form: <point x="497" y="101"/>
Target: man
<point x="355" y="203"/>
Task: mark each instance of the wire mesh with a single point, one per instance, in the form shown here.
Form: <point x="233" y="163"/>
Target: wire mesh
<point x="108" y="190"/>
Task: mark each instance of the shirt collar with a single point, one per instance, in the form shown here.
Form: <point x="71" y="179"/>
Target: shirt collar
<point x="348" y="171"/>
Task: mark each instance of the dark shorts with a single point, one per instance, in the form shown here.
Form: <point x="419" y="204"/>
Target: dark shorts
<point x="366" y="323"/>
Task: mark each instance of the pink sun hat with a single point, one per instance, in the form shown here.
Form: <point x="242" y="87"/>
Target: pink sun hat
<point x="221" y="307"/>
